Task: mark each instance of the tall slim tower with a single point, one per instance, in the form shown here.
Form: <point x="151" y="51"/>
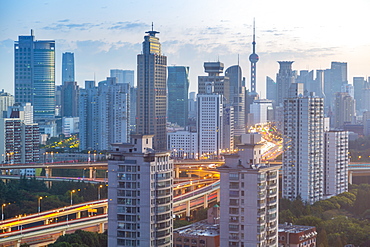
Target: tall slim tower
<point x="34" y="74"/>
<point x="151" y="91"/>
<point x="178" y="88"/>
<point x="253" y="58"/>
<point x="68" y="67"/>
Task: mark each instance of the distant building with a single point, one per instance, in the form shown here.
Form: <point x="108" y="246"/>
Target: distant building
<point x="151" y="115"/>
<point x="334" y="78"/>
<point x="34" y="68"/>
<point x="336" y="162"/>
<point x="192" y="105"/>
<point x="271" y="89"/>
<point x="237" y="98"/>
<point x="284" y="79"/>
<point x="294" y="235"/>
<point x="69" y="99"/>
<point x="260" y="110"/>
<point x="249" y="199"/>
<point x="68" y="67"/>
<point x="104" y="114"/>
<point x="6" y="100"/>
<point x="123" y="76"/>
<point x="178" y="88"/>
<point x="140" y="195"/>
<point x="70" y="126"/>
<point x="303" y="159"/>
<point x="199" y="234"/>
<point x="344" y="110"/>
<point x="183" y="144"/>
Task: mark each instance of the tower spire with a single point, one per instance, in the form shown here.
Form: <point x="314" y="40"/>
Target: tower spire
<point x="253" y="58"/>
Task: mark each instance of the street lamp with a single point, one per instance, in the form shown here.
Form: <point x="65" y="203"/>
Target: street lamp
<point x="2" y="211"/>
<point x="99" y="190"/>
<point x="72" y="191"/>
<point x="39" y="203"/>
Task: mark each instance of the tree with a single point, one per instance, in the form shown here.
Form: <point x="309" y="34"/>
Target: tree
<point x="322" y="239"/>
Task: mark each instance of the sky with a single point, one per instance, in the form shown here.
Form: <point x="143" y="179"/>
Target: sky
<point x="108" y="34"/>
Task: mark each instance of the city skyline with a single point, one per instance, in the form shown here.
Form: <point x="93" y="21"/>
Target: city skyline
<point x="283" y="32"/>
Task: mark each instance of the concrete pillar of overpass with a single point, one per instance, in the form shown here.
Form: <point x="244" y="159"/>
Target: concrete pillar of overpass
<point x="78" y="215"/>
<point x="48" y="172"/>
<point x="3" y="172"/>
<point x="205" y="204"/>
<point x="218" y="195"/>
<point x="91" y="172"/>
<point x="350" y="177"/>
<point x="46" y="222"/>
<point x="18" y="243"/>
<point x="177" y="172"/>
<point x="188" y="208"/>
<point x="105" y="209"/>
<point x="63" y="232"/>
<point x="101" y="228"/>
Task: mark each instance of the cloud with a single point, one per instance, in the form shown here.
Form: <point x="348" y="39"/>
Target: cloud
<point x="67" y="27"/>
<point x="65" y="20"/>
<point x="126" y="25"/>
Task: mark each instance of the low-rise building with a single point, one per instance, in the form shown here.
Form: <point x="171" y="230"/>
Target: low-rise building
<point x="295" y="235"/>
<point x="200" y="234"/>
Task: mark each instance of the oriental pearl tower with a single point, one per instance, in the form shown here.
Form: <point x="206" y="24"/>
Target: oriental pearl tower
<point x="253" y="58"/>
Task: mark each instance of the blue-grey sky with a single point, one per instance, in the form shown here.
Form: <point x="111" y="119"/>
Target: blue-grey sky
<point x="108" y="34"/>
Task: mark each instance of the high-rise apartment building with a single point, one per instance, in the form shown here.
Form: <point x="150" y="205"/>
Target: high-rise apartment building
<point x="34" y="68"/>
<point x="303" y="159"/>
<point x="284" y="79"/>
<point x="178" y="89"/>
<point x="344" y="110"/>
<point x="20" y="137"/>
<point x="249" y="204"/>
<point x="336" y="162"/>
<point x="237" y="98"/>
<point x="140" y="195"/>
<point x="183" y="144"/>
<point x="151" y="115"/>
<point x="104" y="114"/>
<point x="68" y="67"/>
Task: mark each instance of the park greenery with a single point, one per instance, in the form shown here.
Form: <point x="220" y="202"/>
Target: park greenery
<point x="340" y="220"/>
<point x="359" y="149"/>
<point x="82" y="239"/>
<point x="22" y="196"/>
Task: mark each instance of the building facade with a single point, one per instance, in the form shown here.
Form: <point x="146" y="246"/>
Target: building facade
<point x="6" y="100"/>
<point x="297" y="236"/>
<point x="344" y="110"/>
<point x="249" y="199"/>
<point x="151" y="115"/>
<point x="140" y="195"/>
<point x="69" y="99"/>
<point x="123" y="76"/>
<point x="34" y="68"/>
<point x="284" y="79"/>
<point x="303" y="159"/>
<point x="178" y="89"/>
<point x="183" y="144"/>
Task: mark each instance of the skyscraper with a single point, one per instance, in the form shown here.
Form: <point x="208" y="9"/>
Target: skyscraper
<point x="151" y="116"/>
<point x="270" y="89"/>
<point x="359" y="85"/>
<point x="284" y="79"/>
<point x="178" y="88"/>
<point x="334" y="78"/>
<point x="303" y="159"/>
<point x="68" y="67"/>
<point x="6" y="100"/>
<point x="34" y="69"/>
<point x="344" y="110"/>
<point x="140" y="195"/>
